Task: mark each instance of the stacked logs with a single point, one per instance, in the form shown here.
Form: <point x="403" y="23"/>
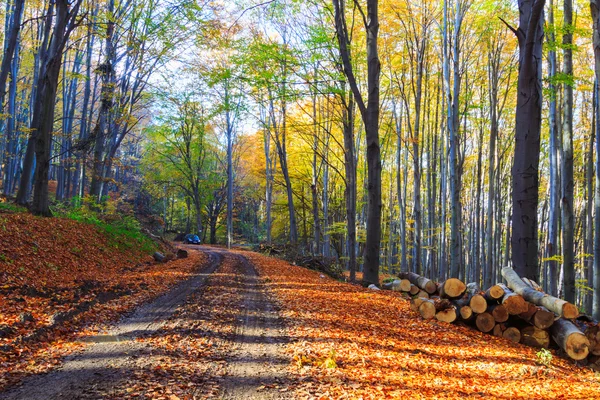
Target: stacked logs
<point x="518" y="311"/>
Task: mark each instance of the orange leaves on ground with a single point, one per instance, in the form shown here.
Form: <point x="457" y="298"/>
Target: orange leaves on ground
<point x="187" y="358"/>
<point x="383" y="350"/>
<point x="71" y="278"/>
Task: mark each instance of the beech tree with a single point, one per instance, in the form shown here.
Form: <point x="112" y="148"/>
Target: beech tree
<point x="369" y="111"/>
<point x="525" y="170"/>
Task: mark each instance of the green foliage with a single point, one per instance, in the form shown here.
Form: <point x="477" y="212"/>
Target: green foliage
<point x="544" y="357"/>
<point x="329" y="362"/>
<point x="123" y="230"/>
<point x="11" y="207"/>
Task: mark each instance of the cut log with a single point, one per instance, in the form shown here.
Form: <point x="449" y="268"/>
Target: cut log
<point x="393" y="285"/>
<point x="512" y="334"/>
<point x="420" y="281"/>
<point x="592" y="332"/>
<point x="466" y="313"/>
<point x="452" y="288"/>
<point x="404" y="285"/>
<point x="543" y="318"/>
<point x="499" y="312"/>
<point x="498" y="329"/>
<point x="494" y="294"/>
<point x="447" y="315"/>
<point x="478" y="304"/>
<point x="569" y="338"/>
<point x="535" y="337"/>
<point x="473" y="299"/>
<point x="415" y="303"/>
<point x="414" y="289"/>
<point x="538" y="316"/>
<point x="423" y="294"/>
<point x="515" y="303"/>
<point x="556" y="305"/>
<point x="485" y="322"/>
<point x="528" y="315"/>
<point x="427" y="309"/>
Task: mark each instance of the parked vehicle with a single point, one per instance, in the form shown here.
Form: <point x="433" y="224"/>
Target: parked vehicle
<point x="191" y="239"/>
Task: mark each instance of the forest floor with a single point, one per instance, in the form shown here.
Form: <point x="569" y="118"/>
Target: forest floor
<point x="240" y="325"/>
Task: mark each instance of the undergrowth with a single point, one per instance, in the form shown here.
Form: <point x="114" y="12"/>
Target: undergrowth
<point x="121" y="227"/>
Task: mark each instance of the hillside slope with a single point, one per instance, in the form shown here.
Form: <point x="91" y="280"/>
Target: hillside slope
<point x="60" y="277"/>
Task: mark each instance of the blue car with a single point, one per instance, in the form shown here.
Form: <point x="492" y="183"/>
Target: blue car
<point x="191" y="239"/>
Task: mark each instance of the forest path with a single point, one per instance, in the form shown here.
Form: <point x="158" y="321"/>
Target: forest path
<point x="223" y="306"/>
<point x="256" y="367"/>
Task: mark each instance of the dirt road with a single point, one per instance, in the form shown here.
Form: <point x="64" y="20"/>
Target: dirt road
<point x="250" y="359"/>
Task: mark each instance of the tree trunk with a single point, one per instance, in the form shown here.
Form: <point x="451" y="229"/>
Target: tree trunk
<point x="102" y="131"/>
<point x="370" y="117"/>
<point x="595" y="10"/>
<point x="350" y="193"/>
<point x="11" y="38"/>
<point x="65" y="23"/>
<point x="552" y="246"/>
<point x="568" y="221"/>
<point x="39" y="71"/>
<point x="229" y="134"/>
<point x="525" y="170"/>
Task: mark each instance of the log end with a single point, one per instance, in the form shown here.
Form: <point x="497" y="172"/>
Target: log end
<point x="570" y="311"/>
<point x="414" y="289"/>
<point x="512" y="334"/>
<point x="485" y="322"/>
<point x="405" y="285"/>
<point x="478" y="304"/>
<point x="430" y="287"/>
<point x="448" y="315"/>
<point x="535" y="337"/>
<point x="466" y="313"/>
<point x="495" y="292"/>
<point x="543" y="319"/>
<point x="577" y="346"/>
<point x="453" y="288"/>
<point x="500" y="313"/>
<point x="427" y="309"/>
<point x="515" y="304"/>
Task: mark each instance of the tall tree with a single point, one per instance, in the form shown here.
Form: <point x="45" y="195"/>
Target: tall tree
<point x="66" y="21"/>
<point x="595" y="9"/>
<point x="10" y="45"/>
<point x="567" y="158"/>
<point x="552" y="247"/>
<point x="370" y="116"/>
<point x="528" y="119"/>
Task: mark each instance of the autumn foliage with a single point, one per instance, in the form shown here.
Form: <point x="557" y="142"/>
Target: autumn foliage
<point x="378" y="348"/>
<point x="60" y="280"/>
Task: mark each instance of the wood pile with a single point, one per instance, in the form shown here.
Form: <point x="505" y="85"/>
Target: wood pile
<point x="518" y="311"/>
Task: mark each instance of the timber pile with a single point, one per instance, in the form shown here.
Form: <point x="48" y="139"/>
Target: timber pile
<point x="518" y="311"/>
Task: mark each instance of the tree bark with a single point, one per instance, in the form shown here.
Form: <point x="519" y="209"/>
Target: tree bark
<point x="11" y="39"/>
<point x="370" y="117"/>
<point x="570" y="339"/>
<point x="525" y="170"/>
<point x="558" y="306"/>
<point x="552" y="245"/>
<point x="65" y="23"/>
<point x="568" y="221"/>
<point x="595" y="10"/>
